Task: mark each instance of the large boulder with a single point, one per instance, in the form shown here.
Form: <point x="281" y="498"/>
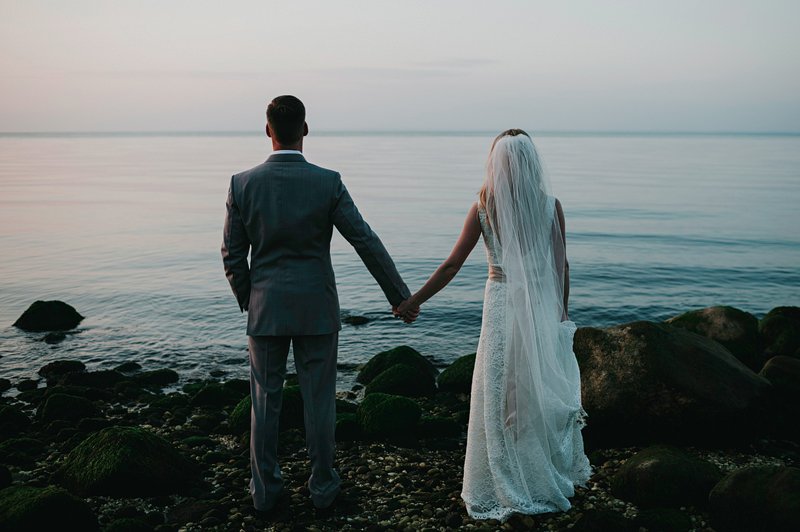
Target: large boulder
<point x="457" y="377"/>
<point x="48" y="316"/>
<point x="389" y="417"/>
<point x="239" y="419"/>
<point x="28" y="508"/>
<point x="780" y="332"/>
<point x="157" y="378"/>
<point x="784" y="374"/>
<point x="758" y="498"/>
<point x="663" y="476"/>
<point x="21" y="451"/>
<point x="128" y="462"/>
<point x="402" y="379"/>
<point x="60" y="406"/>
<point x="646" y="382"/>
<point x="61" y="367"/>
<point x="399" y="355"/>
<point x="12" y="421"/>
<point x="735" y="329"/>
<point x="93" y="379"/>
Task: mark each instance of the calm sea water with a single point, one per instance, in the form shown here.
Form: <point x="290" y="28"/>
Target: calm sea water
<point x="127" y="228"/>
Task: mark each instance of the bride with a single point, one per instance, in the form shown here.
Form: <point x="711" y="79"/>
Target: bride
<point x="524" y="446"/>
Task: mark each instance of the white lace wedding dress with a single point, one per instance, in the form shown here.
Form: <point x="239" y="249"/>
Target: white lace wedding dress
<point x="524" y="446"/>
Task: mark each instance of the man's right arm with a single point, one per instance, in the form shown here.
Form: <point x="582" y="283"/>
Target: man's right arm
<point x="354" y="229"/>
<point x="235" y="248"/>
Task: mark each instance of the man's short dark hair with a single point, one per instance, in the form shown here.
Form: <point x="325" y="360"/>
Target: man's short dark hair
<point x="286" y="116"/>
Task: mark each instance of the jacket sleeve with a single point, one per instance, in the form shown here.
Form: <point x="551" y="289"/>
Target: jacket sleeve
<point x="354" y="229"/>
<point x="235" y="248"/>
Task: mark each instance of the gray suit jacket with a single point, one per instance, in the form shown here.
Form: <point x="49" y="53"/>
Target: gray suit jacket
<point x="283" y="212"/>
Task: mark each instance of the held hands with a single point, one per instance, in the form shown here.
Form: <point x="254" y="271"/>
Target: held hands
<point x="406" y="310"/>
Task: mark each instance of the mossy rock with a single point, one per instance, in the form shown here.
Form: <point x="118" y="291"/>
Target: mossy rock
<point x="390" y="417"/>
<point x="734" y="329"/>
<point x="127" y="462"/>
<point x="157" y="378"/>
<point x="402" y="379"/>
<point x="757" y="498"/>
<point x="27" y="508"/>
<point x="20" y="451"/>
<point x="128" y="367"/>
<point x="92" y="394"/>
<point x="665" y="476"/>
<point x="399" y="355"/>
<point x="457" y="377"/>
<point x="239" y="419"/>
<point x="594" y="520"/>
<point x="44" y="316"/>
<point x="67" y="407"/>
<point x="61" y="367"/>
<point x="5" y="385"/>
<point x="347" y="427"/>
<point x="170" y="401"/>
<point x="291" y="408"/>
<point x="5" y="477"/>
<point x="12" y="421"/>
<point x="343" y="406"/>
<point x="780" y="332"/>
<point x="215" y="395"/>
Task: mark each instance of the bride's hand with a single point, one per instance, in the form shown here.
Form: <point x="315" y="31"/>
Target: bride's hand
<point x="406" y="310"/>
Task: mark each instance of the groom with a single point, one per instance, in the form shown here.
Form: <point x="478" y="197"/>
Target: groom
<point x="283" y="212"/>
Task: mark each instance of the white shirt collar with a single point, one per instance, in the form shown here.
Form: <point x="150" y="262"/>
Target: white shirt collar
<point x="282" y="152"/>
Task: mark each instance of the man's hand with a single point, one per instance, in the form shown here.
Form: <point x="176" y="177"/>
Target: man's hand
<point x="406" y="310"/>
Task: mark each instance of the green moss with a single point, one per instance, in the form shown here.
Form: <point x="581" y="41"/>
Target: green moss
<point x="20" y="451"/>
<point x="391" y="417"/>
<point x="215" y="395"/>
<point x="239" y="420"/>
<point x="127" y="461"/>
<point x="26" y="508"/>
<point x="347" y="427"/>
<point x="12" y="420"/>
<point x="457" y="377"/>
<point x="402" y="379"/>
<point x="386" y="359"/>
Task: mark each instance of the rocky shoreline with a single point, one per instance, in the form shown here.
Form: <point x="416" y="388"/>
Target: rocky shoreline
<point x="692" y="426"/>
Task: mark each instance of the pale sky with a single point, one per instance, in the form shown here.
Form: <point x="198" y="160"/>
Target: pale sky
<point x="197" y="65"/>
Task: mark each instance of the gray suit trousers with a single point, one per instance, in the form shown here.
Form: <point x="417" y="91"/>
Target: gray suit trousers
<point x="315" y="360"/>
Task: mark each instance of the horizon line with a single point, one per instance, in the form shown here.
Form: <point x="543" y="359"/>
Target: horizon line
<point x="390" y="132"/>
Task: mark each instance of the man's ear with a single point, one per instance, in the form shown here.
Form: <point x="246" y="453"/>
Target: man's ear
<point x="305" y="128"/>
<point x="269" y="133"/>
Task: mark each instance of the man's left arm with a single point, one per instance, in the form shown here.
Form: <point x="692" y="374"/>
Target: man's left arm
<point x="235" y="248"/>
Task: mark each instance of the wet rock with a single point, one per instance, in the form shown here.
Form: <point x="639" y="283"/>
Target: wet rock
<point x="390" y="417"/>
<point x="157" y="378"/>
<point x="93" y="379"/>
<point x="603" y="521"/>
<point x="734" y="329"/>
<point x="457" y="377"/>
<point x="216" y="395"/>
<point x="663" y="520"/>
<point x="399" y="355"/>
<point x="128" y="524"/>
<point x="355" y="320"/>
<point x="5" y="384"/>
<point x="53" y="338"/>
<point x="784" y="374"/>
<point x="780" y="332"/>
<point x="402" y="379"/>
<point x="12" y="421"/>
<point x="93" y="394"/>
<point x="61" y="367"/>
<point x="438" y="427"/>
<point x="44" y="316"/>
<point x="128" y="367"/>
<point x="5" y="477"/>
<point x="27" y="385"/>
<point x="757" y="498"/>
<point x="21" y="451"/>
<point x="347" y="427"/>
<point x="27" y="508"/>
<point x="65" y="407"/>
<point x="649" y="382"/>
<point x="127" y="461"/>
<point x="662" y="476"/>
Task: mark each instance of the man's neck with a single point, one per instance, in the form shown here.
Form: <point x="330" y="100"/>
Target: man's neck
<point x="284" y="147"/>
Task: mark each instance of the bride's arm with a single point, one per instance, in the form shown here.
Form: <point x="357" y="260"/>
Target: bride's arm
<point x="450" y="267"/>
